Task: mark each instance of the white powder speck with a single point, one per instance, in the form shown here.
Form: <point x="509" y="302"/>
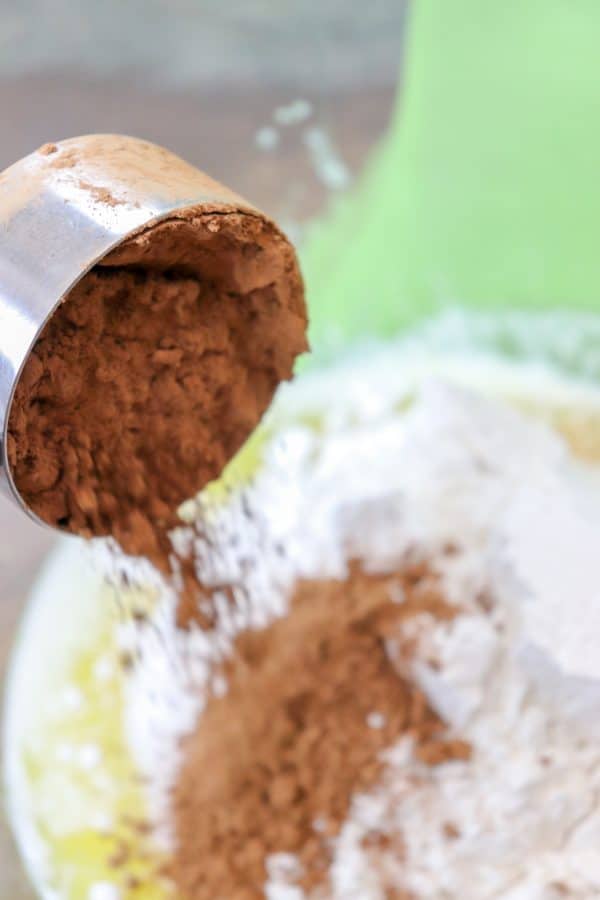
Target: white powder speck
<point x="327" y="163"/>
<point x="267" y="138"/>
<point x="89" y="756"/>
<point x="376" y="720"/>
<point x="102" y="822"/>
<point x="294" y="113"/>
<point x="219" y="686"/>
<point x="103" y="890"/>
<point x="396" y="593"/>
<point x="282" y="870"/>
<point x="65" y="753"/>
<point x="103" y="669"/>
<point x="71" y="699"/>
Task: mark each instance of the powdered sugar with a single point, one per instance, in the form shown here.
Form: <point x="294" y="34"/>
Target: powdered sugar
<point x="522" y="818"/>
<point x="515" y="673"/>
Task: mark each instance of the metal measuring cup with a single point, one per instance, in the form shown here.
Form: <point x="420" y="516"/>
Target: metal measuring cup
<point x="64" y="208"/>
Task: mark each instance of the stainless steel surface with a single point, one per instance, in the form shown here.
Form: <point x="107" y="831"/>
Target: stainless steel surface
<point x="61" y="211"/>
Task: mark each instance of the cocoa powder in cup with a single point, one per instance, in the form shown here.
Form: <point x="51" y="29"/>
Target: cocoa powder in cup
<point x="153" y="372"/>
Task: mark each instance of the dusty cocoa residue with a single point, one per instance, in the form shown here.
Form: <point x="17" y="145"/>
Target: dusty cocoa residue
<point x="274" y="764"/>
<point x="48" y="149"/>
<point x="151" y="375"/>
<point x="101" y="194"/>
<point x="67" y="159"/>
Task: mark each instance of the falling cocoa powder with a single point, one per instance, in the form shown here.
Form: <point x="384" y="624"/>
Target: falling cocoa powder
<point x="274" y="764"/>
<point x="153" y="372"/>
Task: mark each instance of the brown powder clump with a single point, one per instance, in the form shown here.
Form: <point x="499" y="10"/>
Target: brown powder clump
<point x="152" y="373"/>
<point x="274" y="764"/>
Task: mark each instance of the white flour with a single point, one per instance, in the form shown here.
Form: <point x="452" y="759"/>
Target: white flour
<point x="517" y="673"/>
<point x="519" y="678"/>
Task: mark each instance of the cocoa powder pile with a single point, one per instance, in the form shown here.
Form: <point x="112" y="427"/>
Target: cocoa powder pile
<point x="152" y="373"/>
<point x="274" y="764"/>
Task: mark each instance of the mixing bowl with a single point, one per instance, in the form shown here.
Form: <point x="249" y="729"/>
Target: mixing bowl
<point x="449" y="234"/>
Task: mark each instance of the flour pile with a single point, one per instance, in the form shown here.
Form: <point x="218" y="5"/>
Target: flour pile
<point x="509" y="521"/>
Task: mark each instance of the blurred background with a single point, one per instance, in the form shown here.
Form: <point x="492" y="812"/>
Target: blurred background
<point x="280" y="99"/>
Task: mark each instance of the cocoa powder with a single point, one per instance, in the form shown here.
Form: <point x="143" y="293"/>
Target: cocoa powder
<point x="274" y="764"/>
<point x="152" y="373"/>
